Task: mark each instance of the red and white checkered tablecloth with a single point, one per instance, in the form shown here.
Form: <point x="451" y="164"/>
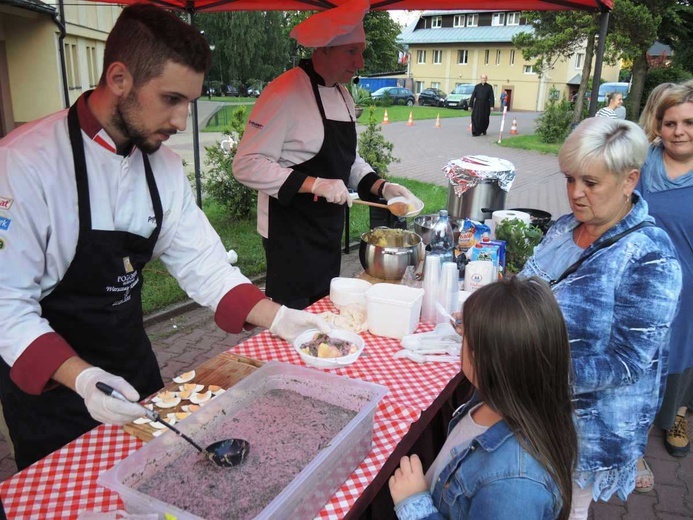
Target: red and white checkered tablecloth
<point x="64" y="484"/>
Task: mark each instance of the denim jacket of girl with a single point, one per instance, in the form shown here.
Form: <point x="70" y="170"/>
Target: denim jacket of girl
<point x="618" y="307"/>
<point x="494" y="478"/>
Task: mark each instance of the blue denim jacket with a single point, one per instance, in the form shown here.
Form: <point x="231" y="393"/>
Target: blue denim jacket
<point x="494" y="478"/>
<point x="618" y="308"/>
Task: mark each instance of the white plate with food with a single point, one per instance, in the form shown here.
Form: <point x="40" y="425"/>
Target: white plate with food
<point x="336" y="349"/>
<point x="415" y="205"/>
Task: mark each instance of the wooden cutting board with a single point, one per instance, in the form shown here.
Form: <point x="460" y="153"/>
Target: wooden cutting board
<point x="224" y="370"/>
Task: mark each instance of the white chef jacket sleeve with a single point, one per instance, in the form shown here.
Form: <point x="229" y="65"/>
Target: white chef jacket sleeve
<point x="196" y="257"/>
<point x="257" y="163"/>
<point x="25" y="235"/>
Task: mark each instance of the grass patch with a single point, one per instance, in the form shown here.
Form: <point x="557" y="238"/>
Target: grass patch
<point x="221" y="120"/>
<point x="531" y="142"/>
<point x="162" y="290"/>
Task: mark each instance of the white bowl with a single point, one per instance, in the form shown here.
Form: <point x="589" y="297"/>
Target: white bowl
<point x="329" y="362"/>
<point x="348" y="291"/>
<point x="417" y="205"/>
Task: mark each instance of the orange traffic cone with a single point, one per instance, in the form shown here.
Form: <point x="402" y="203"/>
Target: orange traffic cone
<point x="411" y="119"/>
<point x="386" y="121"/>
<point x="438" y="125"/>
<point x="513" y="128"/>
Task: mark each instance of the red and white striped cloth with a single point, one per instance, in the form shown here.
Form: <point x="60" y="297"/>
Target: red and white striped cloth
<point x="63" y="484"/>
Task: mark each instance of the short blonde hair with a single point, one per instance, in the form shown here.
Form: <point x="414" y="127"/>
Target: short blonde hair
<point x="618" y="144"/>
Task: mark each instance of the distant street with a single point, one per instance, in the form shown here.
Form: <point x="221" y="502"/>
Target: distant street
<point x="424" y="150"/>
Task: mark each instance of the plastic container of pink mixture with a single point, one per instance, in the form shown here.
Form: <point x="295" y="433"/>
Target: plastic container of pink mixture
<point x="308" y="431"/>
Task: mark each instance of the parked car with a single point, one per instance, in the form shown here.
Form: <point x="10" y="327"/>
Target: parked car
<point x="432" y="96"/>
<point x="607" y="88"/>
<point x="253" y="92"/>
<point x="398" y="95"/>
<point x="459" y="97"/>
<point x="230" y="90"/>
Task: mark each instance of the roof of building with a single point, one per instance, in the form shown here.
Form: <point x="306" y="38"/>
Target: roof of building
<point x="31" y="5"/>
<point x="486" y="34"/>
<point x="659" y="49"/>
<point x="575" y="80"/>
<point x="463" y="11"/>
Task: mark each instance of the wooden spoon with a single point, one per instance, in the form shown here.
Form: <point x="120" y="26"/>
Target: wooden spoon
<point x="399" y="209"/>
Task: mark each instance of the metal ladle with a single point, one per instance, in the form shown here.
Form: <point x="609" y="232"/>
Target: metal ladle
<point x="225" y="454"/>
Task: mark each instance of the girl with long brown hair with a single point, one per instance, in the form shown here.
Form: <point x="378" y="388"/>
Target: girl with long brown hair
<point x="511" y="449"/>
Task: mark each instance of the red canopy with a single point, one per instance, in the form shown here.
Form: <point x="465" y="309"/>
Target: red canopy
<point x="200" y="6"/>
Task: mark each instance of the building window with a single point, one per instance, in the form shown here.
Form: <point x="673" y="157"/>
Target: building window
<point x="462" y="57"/>
<point x="528" y="69"/>
<point x="498" y="19"/>
<point x="437" y="57"/>
<point x="91" y="66"/>
<point x="513" y="19"/>
<point x="498" y="56"/>
<point x="437" y="22"/>
<point x="579" y="60"/>
<point x="420" y="86"/>
<point x="472" y="20"/>
<point x="512" y="56"/>
<point x="72" y="66"/>
<point x="458" y="20"/>
<point x="421" y="57"/>
<point x="487" y="56"/>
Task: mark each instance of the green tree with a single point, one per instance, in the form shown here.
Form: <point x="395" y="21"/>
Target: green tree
<point x="558" y="35"/>
<point x="382" y="50"/>
<point x="249" y="46"/>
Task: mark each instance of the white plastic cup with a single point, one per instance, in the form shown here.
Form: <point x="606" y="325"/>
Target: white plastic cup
<point x="431" y="282"/>
<point x="448" y="290"/>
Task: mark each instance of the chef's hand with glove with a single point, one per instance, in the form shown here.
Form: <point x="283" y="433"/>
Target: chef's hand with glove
<point x="333" y="190"/>
<point x="290" y="323"/>
<point x="102" y="407"/>
<point x="392" y="190"/>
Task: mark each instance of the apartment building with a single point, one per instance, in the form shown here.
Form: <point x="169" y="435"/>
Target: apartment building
<point x="450" y="48"/>
<point x="31" y="77"/>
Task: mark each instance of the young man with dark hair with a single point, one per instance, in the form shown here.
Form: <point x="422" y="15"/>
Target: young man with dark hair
<point x="89" y="197"/>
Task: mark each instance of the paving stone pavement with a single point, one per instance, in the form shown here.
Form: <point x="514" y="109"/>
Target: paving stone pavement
<point x="185" y="335"/>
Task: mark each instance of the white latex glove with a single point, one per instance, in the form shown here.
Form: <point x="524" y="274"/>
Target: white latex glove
<point x="102" y="407"/>
<point x="333" y="190"/>
<point x="290" y="323"/>
<point x="392" y="190"/>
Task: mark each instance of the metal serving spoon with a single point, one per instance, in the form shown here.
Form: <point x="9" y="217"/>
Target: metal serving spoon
<point x="225" y="454"/>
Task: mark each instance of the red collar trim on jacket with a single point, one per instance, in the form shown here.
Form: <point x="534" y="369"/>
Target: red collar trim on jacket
<point x="91" y="126"/>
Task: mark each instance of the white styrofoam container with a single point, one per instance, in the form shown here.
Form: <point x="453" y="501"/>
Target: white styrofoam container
<point x="310" y="490"/>
<point x="393" y="310"/>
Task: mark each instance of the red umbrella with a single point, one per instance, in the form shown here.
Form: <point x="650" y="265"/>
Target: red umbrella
<point x="309" y="5"/>
<point x="205" y="6"/>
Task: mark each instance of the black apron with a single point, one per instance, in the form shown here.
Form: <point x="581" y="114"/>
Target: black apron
<point x="303" y="248"/>
<point x="97" y="309"/>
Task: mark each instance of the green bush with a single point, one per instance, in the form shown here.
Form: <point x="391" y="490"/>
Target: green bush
<point x="220" y="184"/>
<point x="553" y="125"/>
<point x="373" y="147"/>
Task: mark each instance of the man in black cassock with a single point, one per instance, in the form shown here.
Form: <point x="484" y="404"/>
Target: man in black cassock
<point x="481" y="103"/>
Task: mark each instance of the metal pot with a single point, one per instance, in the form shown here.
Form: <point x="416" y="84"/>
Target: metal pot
<point x="424" y="223"/>
<point x="538" y="217"/>
<point x="385" y="253"/>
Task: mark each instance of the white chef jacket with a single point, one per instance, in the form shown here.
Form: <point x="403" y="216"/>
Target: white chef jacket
<point x="285" y="129"/>
<point x="42" y="223"/>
